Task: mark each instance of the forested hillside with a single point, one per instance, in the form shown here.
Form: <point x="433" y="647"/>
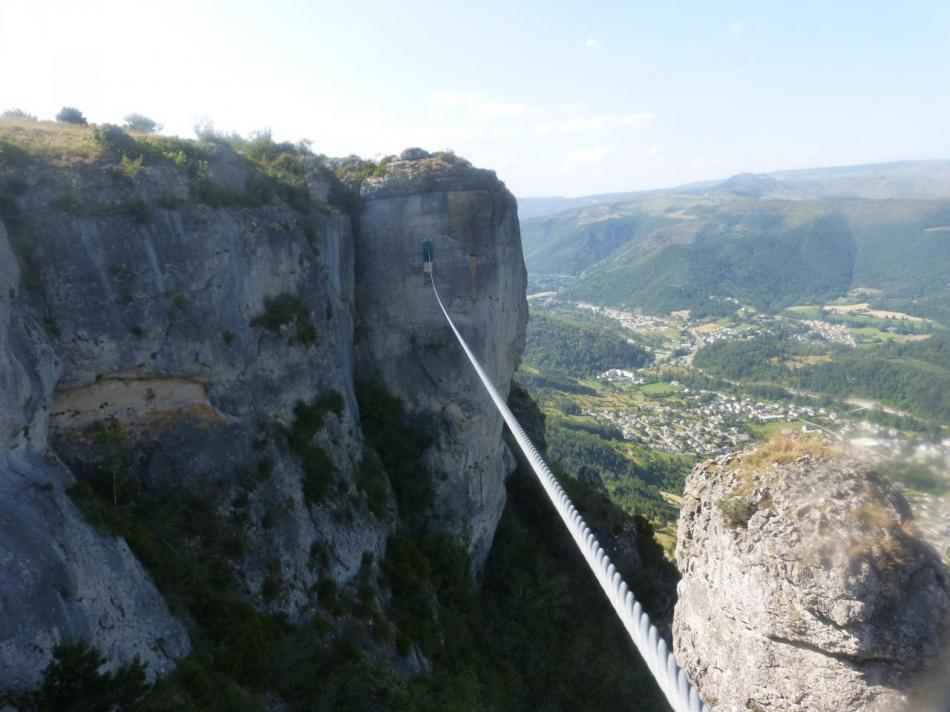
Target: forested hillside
<point x="755" y="240"/>
<point x="912" y="376"/>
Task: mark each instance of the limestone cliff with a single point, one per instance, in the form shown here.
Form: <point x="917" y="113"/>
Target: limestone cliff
<point x="804" y="585"/>
<point x="185" y="322"/>
<point x="58" y="577"/>
<point x="472" y="221"/>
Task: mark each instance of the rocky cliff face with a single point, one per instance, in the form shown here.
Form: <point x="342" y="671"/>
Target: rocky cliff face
<point x="479" y="271"/>
<point x="181" y="330"/>
<point x="804" y="586"/>
<point x="59" y="578"/>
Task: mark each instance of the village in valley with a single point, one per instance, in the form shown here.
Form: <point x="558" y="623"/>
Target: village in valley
<point x="671" y="406"/>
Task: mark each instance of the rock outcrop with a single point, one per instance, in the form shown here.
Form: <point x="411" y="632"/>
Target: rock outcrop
<point x="197" y="319"/>
<point x="479" y="271"/>
<point x="804" y="585"/>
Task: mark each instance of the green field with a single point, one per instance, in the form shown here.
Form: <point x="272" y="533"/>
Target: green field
<point x="659" y="389"/>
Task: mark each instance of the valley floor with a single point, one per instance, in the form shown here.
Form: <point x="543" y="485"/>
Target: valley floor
<point x="715" y="386"/>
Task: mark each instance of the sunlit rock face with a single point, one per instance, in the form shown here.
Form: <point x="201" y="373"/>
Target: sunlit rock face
<point x="403" y="337"/>
<point x="805" y="587"/>
<point x="195" y="330"/>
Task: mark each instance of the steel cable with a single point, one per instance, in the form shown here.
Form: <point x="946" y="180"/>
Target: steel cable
<point x="680" y="692"/>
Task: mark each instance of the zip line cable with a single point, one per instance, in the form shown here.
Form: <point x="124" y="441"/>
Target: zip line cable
<point x="679" y="690"/>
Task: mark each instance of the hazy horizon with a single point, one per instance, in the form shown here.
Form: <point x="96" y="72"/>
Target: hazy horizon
<point x="713" y="179"/>
<point x="570" y="100"/>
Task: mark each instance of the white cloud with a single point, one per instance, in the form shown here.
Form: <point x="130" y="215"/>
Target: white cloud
<point x="735" y="27"/>
<point x="591" y="123"/>
<point x="593" y="43"/>
<point x="581" y="157"/>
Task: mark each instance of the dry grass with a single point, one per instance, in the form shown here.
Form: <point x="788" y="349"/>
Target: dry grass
<point x="782" y="449"/>
<point x="50" y="138"/>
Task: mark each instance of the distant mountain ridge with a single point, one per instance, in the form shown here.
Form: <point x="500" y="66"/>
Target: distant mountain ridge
<point x="772" y="241"/>
<point x="896" y="179"/>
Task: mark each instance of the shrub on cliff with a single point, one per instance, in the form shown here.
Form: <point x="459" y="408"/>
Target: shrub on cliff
<point x="73" y="681"/>
<point x="285" y="310"/>
<point x="71" y="115"/>
<point x="141" y="123"/>
<point x="400" y="447"/>
<point x="735" y="511"/>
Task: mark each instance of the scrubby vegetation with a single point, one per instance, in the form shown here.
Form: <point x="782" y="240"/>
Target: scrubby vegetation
<point x="319" y="472"/>
<point x="355" y="170"/>
<point x="142" y="124"/>
<point x="71" y="115"/>
<point x="735" y="511"/>
<point x="73" y="682"/>
<point x="283" y="170"/>
<point x="783" y="448"/>
<point x="288" y="310"/>
<point x="538" y="634"/>
<point x="276" y="171"/>
<point x="399" y="447"/>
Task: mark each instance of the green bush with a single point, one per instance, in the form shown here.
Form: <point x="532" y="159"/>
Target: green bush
<point x="73" y="681"/>
<point x="69" y="202"/>
<point x="283" y="169"/>
<point x="328" y="594"/>
<point x="71" y="115"/>
<point x="735" y="511"/>
<point x="309" y="418"/>
<point x="288" y="310"/>
<point x="142" y="124"/>
<point x="319" y="474"/>
<point x="400" y="447"/>
<point x="372" y="480"/>
<point x="114" y="140"/>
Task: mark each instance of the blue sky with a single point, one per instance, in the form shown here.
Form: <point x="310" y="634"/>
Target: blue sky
<point x="560" y="98"/>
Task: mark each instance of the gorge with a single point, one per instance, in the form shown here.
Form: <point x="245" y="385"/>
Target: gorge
<point x="239" y="445"/>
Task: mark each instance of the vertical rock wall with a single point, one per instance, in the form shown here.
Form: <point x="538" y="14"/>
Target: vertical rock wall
<point x="59" y="578"/>
<point x="402" y="335"/>
<point x="197" y="330"/>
